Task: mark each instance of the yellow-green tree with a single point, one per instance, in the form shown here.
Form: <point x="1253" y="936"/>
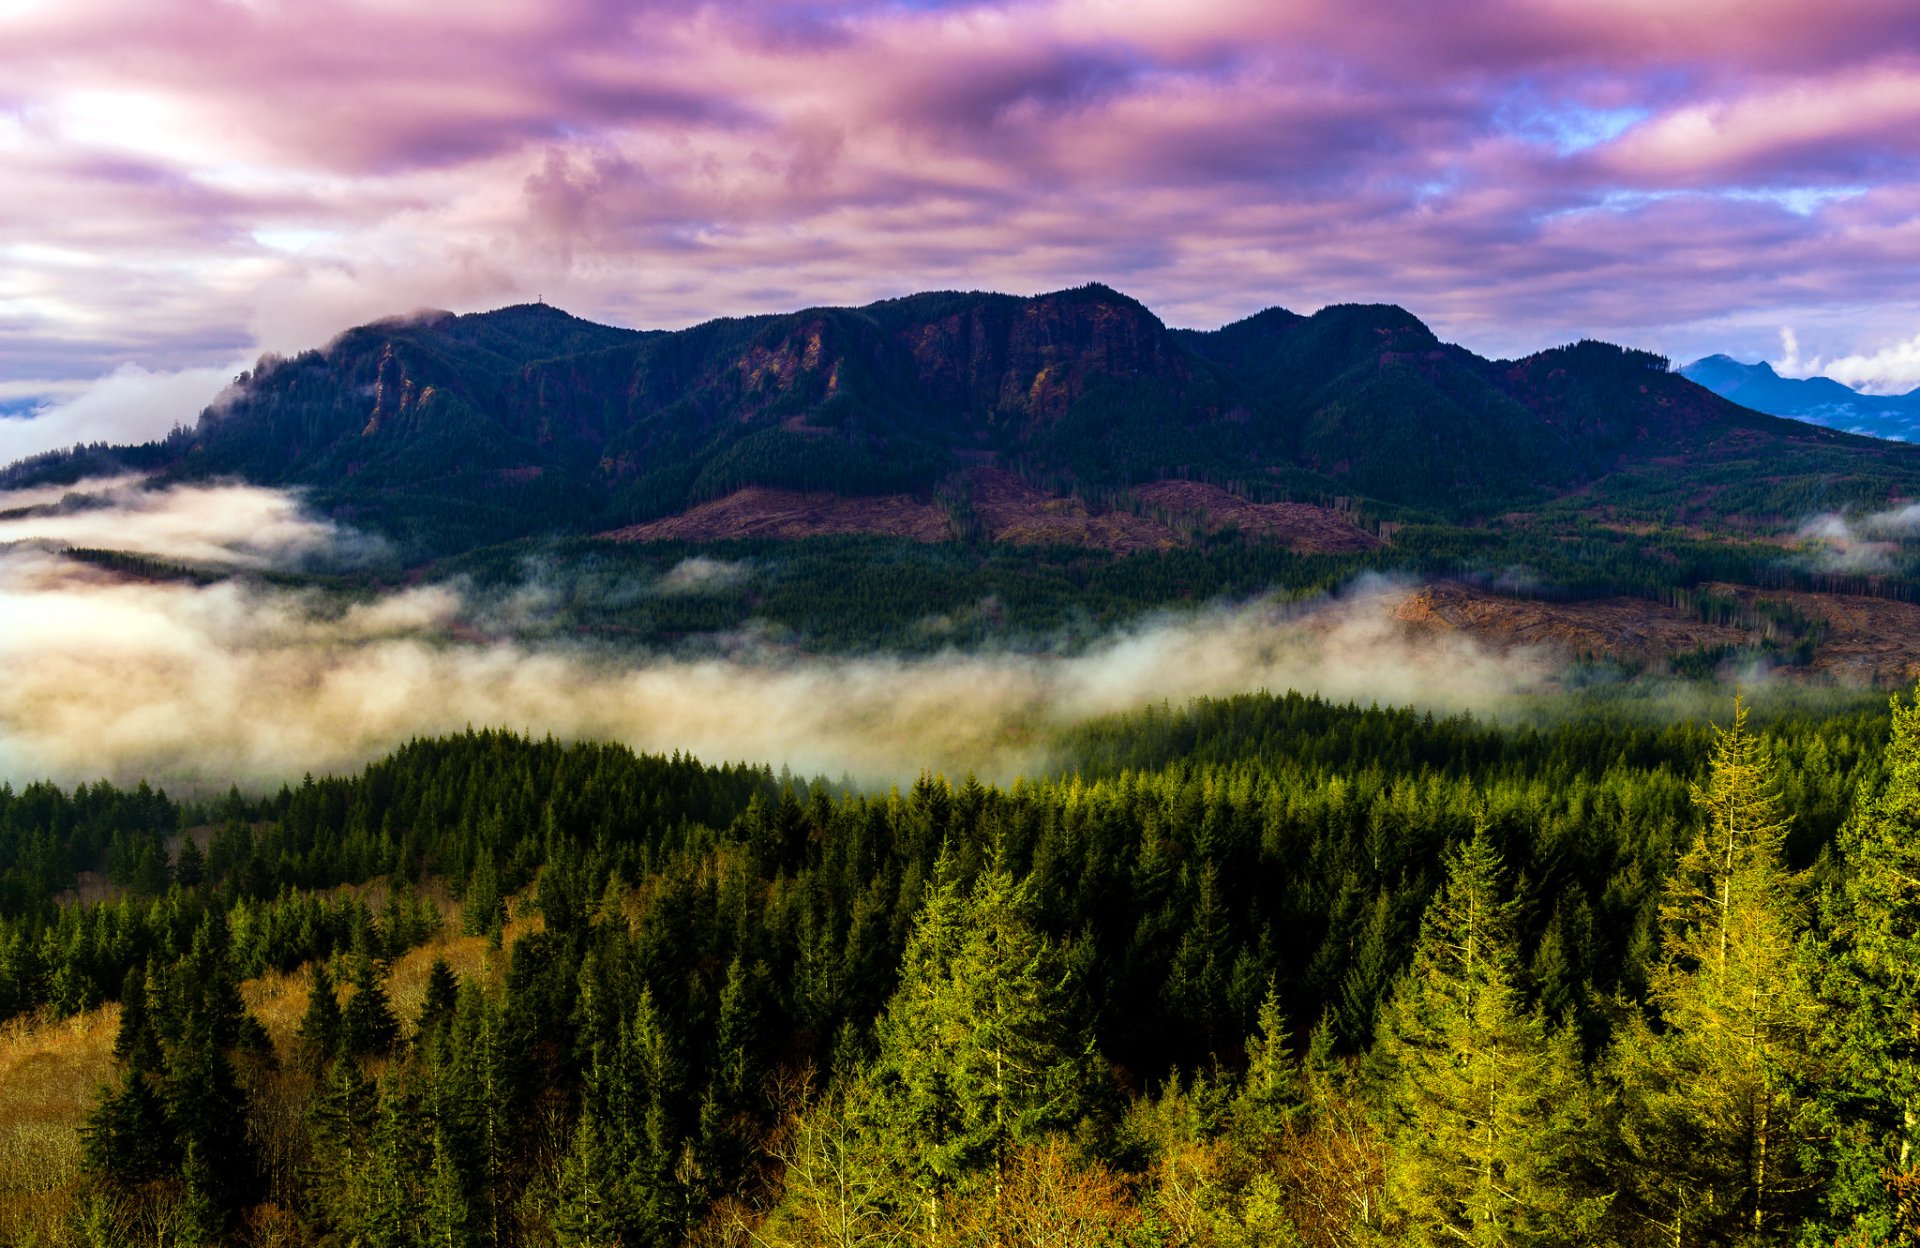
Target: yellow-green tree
<point x="1487" y="1117"/>
<point x="1717" y="1120"/>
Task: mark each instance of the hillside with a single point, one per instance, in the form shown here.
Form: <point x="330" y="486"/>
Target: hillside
<point x="982" y="416"/>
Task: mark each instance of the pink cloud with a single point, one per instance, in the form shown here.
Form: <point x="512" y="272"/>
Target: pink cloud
<point x="184" y="177"/>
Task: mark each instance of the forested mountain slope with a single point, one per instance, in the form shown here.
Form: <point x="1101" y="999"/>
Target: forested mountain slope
<point x="528" y="420"/>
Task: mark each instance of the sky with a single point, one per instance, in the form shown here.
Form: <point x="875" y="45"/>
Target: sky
<point x="187" y="183"/>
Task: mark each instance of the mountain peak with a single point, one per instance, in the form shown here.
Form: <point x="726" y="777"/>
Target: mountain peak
<point x="1817" y="400"/>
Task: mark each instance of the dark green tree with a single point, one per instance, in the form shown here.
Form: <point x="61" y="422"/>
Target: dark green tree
<point x="442" y="995"/>
<point x="319" y="1029"/>
<point x="367" y="1024"/>
<point x="1870" y="1091"/>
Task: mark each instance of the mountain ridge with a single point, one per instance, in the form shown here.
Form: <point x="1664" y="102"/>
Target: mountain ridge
<point x="526" y="419"/>
<point x="1819" y="400"/>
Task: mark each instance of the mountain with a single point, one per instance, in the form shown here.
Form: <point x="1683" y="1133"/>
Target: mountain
<point x="1820" y="400"/>
<point x="462" y="430"/>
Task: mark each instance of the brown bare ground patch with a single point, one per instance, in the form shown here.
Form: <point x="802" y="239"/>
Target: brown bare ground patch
<point x="1869" y="640"/>
<point x="1013" y="511"/>
<point x="789" y="514"/>
<point x="1631" y="629"/>
<point x="1303" y="527"/>
<point x="1019" y="514"/>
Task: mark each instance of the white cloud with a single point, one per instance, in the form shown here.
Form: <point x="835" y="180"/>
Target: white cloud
<point x="128" y="405"/>
<point x="1893" y="369"/>
<point x="239" y="525"/>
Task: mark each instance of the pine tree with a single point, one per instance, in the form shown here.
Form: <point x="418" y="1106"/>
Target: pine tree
<point x="471" y="1107"/>
<point x="129" y="1139"/>
<point x="651" y="1135"/>
<point x="726" y="1109"/>
<point x="484" y="909"/>
<point x="1269" y="1096"/>
<point x="1870" y="1096"/>
<point x="449" y="1213"/>
<point x="340" y="1121"/>
<point x="190" y="866"/>
<point x="367" y="1025"/>
<point x="136" y="1043"/>
<point x="1716" y="1124"/>
<point x="319" y="1029"/>
<point x="395" y="1164"/>
<point x="209" y="1113"/>
<point x="977" y="1050"/>
<point x="442" y="994"/>
<point x="1485" y="1112"/>
<point x="205" y="1210"/>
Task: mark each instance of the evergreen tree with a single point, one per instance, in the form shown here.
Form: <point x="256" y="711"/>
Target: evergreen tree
<point x="205" y="1208"/>
<point x="137" y="1043"/>
<point x="341" y="1120"/>
<point x="484" y="908"/>
<point x="1870" y="1092"/>
<point x="1716" y="1122"/>
<point x="725" y="1121"/>
<point x="367" y="1025"/>
<point x="1486" y="1114"/>
<point x="1269" y="1096"/>
<point x="129" y="1138"/>
<point x="190" y="866"/>
<point x="209" y="1113"/>
<point x="472" y="1110"/>
<point x="442" y="994"/>
<point x="977" y="1051"/>
<point x="319" y="1029"/>
<point x="449" y="1214"/>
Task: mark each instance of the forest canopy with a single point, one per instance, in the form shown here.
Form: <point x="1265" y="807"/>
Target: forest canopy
<point x="1260" y="970"/>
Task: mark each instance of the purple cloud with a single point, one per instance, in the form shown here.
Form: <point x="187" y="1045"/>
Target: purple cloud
<point x="186" y="179"/>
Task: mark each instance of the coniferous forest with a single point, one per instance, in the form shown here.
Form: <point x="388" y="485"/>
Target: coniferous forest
<point x="1258" y="971"/>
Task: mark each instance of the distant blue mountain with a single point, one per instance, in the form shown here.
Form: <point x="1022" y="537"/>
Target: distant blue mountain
<point x="1817" y="400"/>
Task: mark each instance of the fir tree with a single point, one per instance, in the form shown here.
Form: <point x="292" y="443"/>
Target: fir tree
<point x="977" y="1053"/>
<point x="1269" y="1096"/>
<point x="209" y="1113"/>
<point x="1716" y="1123"/>
<point x="319" y="1029"/>
<point x="129" y="1138"/>
<point x="442" y="994"/>
<point x="137" y="1043"/>
<point x="367" y="1024"/>
<point x="484" y="910"/>
<point x="1870" y="1093"/>
<point x="190" y="865"/>
<point x="1486" y="1113"/>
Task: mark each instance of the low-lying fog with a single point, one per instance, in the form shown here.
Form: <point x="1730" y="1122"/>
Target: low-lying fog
<point x="199" y="685"/>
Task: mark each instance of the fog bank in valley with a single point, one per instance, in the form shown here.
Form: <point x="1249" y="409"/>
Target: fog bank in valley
<point x="198" y="685"/>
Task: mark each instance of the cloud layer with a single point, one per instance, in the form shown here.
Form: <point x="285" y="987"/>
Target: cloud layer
<point x="190" y="181"/>
<point x="202" y="685"/>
